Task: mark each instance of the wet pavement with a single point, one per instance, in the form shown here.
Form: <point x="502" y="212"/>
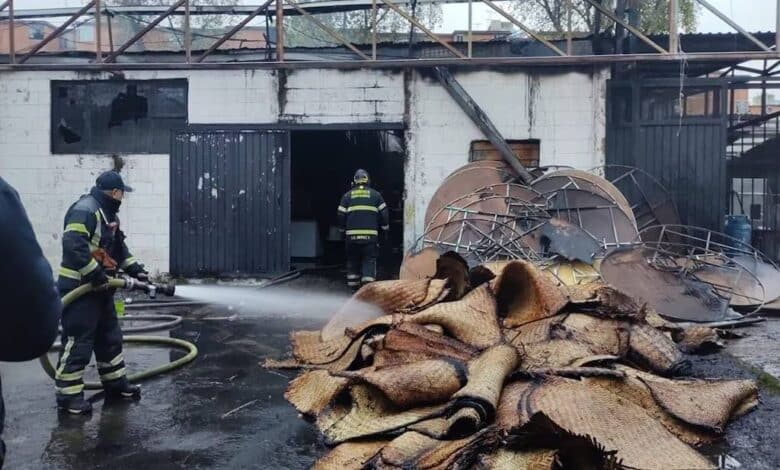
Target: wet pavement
<point x="225" y="411"/>
<point x="221" y="411"/>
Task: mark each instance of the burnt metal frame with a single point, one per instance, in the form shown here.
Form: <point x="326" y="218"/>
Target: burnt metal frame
<point x="565" y="58"/>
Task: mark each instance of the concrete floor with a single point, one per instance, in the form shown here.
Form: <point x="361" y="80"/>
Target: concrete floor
<point x="186" y="419"/>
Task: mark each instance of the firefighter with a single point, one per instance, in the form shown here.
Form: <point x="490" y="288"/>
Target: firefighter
<point x="362" y="213"/>
<point x="31" y="306"/>
<point x="93" y="248"/>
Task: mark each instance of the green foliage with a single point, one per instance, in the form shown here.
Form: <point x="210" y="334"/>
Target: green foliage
<point x="552" y="15"/>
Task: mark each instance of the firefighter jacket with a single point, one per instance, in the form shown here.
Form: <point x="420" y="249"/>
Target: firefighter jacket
<point x="362" y="213"/>
<point x="88" y="228"/>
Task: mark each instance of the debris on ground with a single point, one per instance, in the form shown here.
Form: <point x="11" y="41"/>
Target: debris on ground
<point x="512" y="372"/>
<point x="532" y="327"/>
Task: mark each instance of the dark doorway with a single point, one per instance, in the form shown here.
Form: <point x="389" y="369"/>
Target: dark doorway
<point x="323" y="163"/>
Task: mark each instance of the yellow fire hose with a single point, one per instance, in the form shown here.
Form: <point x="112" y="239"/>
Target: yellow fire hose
<point x="192" y="350"/>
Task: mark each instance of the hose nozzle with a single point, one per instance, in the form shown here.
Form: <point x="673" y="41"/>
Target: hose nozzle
<point x="150" y="289"/>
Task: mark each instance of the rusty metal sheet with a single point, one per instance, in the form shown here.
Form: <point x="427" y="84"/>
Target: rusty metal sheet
<point x="578" y="179"/>
<point x="466" y="180"/>
<point x="672" y="294"/>
<point x="420" y="265"/>
<point x="597" y="215"/>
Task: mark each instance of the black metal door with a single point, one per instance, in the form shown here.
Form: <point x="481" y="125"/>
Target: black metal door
<point x="678" y="135"/>
<point x="230" y="202"/>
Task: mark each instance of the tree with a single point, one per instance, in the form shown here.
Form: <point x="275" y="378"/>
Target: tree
<point x="552" y="15"/>
<point x="355" y="26"/>
<point x="199" y="21"/>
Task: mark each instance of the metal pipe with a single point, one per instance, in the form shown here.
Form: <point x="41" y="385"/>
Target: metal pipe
<point x="146" y="29"/>
<point x="470" y="38"/>
<point x="110" y="34"/>
<point x="279" y="31"/>
<point x="373" y="29"/>
<point x="57" y="31"/>
<point x="11" y="33"/>
<point x="777" y="27"/>
<point x="622" y="23"/>
<point x="569" y="35"/>
<point x="516" y="61"/>
<point x="327" y="29"/>
<point x="262" y="8"/>
<point x="98" y="33"/>
<point x="734" y="25"/>
<point x="674" y="34"/>
<point x="425" y="30"/>
<point x="620" y="32"/>
<point x="520" y="25"/>
<point x="187" y="32"/>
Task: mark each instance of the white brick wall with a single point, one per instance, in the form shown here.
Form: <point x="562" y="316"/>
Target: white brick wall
<point x="334" y="96"/>
<point x="565" y="111"/>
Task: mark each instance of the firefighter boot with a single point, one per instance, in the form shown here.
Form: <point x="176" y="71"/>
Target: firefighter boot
<point x="74" y="404"/>
<point x="123" y="390"/>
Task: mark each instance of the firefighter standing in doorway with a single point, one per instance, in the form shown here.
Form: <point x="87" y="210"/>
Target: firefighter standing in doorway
<point x="362" y="214"/>
<point x="92" y="248"/>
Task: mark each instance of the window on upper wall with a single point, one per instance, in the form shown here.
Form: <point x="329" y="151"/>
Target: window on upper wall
<point x="658" y="104"/>
<point x="86" y="33"/>
<point x="527" y="151"/>
<point x="35" y="32"/>
<point x="116" y="116"/>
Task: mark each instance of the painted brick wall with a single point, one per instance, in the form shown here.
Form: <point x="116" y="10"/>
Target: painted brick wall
<point x="334" y="96"/>
<point x="565" y="111"/>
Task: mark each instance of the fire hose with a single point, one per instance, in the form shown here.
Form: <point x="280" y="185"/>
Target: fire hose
<point x="171" y="321"/>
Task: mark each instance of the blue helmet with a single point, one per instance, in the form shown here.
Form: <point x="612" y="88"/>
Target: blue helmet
<point x="361" y="178"/>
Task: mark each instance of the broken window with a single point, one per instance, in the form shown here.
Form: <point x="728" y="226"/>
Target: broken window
<point x="658" y="104"/>
<point x="116" y="116"/>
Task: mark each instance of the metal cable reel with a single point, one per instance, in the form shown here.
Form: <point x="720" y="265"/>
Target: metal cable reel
<point x="582" y="180"/>
<point x="734" y="268"/>
<point x="466" y="180"/>
<point x="598" y="217"/>
<point x="478" y="241"/>
<point x="650" y="201"/>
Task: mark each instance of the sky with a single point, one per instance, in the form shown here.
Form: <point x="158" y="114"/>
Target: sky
<point x="753" y="15"/>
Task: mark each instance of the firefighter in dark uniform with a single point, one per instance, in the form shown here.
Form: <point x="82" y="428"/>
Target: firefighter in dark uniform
<point x="362" y="214"/>
<point x="93" y="248"/>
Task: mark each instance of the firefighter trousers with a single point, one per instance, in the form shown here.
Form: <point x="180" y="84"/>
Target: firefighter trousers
<point x="361" y="262"/>
<point x="90" y="324"/>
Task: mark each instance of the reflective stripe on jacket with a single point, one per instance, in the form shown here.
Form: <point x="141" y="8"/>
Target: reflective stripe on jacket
<point x="362" y="213"/>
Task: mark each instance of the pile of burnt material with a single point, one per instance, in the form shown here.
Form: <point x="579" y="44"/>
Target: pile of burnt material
<point x="502" y="365"/>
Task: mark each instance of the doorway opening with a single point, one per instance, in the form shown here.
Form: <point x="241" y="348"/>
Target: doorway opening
<point x="322" y="166"/>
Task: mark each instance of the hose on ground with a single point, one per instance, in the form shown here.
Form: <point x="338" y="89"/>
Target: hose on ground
<point x="173" y="320"/>
<point x="192" y="352"/>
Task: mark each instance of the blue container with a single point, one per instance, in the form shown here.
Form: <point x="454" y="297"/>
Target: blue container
<point x="738" y="227"/>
